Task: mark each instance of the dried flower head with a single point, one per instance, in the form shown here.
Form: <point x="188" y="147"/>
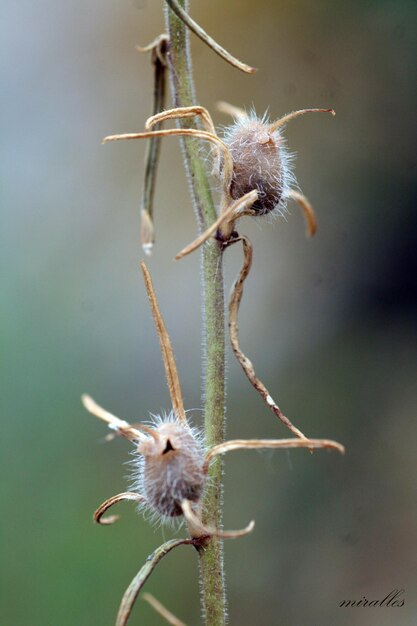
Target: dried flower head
<point x="260" y="161"/>
<point x="260" y="158"/>
<point x="251" y="162"/>
<point x="169" y="467"/>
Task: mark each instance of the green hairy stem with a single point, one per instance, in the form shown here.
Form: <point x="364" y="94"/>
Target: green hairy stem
<point x="211" y="557"/>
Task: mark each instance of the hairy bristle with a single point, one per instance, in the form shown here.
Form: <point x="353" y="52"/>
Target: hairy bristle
<point x="259" y="162"/>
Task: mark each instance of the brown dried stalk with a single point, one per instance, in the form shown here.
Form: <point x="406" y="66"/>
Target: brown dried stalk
<point x="197" y="30"/>
<point x="166" y="349"/>
<point x="142" y="576"/>
<point x="247" y="366"/>
<point x="158" y="49"/>
<point x="162" y="610"/>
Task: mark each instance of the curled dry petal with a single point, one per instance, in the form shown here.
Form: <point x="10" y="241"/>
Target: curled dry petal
<point x="106" y="521"/>
<point x="308" y="211"/>
<point x="236" y="209"/>
<point x="198" y="529"/>
<point x="184" y="113"/>
<point x="113" y="422"/>
<point x="160" y="44"/>
<point x="241" y="444"/>
<point x="181" y="113"/>
<point x="230" y="109"/>
<point x="187" y="132"/>
<point x="290" y="116"/>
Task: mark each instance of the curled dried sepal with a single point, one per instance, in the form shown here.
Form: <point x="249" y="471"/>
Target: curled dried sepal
<point x="162" y="610"/>
<point x="251" y="444"/>
<point x="290" y="116"/>
<point x="107" y="521"/>
<point x="224" y="224"/>
<point x="113" y="422"/>
<point x="142" y="576"/>
<point x="197" y="30"/>
<point x="247" y="366"/>
<point x="158" y="46"/>
<point x="307" y="209"/>
<point x="198" y="529"/>
<point x="227" y="170"/>
<point x="182" y="113"/>
<point x="171" y="371"/>
<point x="229" y="109"/>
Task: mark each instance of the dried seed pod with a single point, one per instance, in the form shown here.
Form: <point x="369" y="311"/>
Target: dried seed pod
<point x="170" y="467"/>
<point x="260" y="162"/>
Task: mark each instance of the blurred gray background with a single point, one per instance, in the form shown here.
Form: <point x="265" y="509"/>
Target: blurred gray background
<point x="329" y="323"/>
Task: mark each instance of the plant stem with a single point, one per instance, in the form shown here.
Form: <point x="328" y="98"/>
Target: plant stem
<point x="211" y="558"/>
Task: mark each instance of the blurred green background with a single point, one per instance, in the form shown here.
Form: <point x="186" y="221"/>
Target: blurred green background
<point x="330" y="323"/>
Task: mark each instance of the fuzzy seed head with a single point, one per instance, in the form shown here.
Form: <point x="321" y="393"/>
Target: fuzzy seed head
<point x="259" y="162"/>
<point x="171" y="468"/>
